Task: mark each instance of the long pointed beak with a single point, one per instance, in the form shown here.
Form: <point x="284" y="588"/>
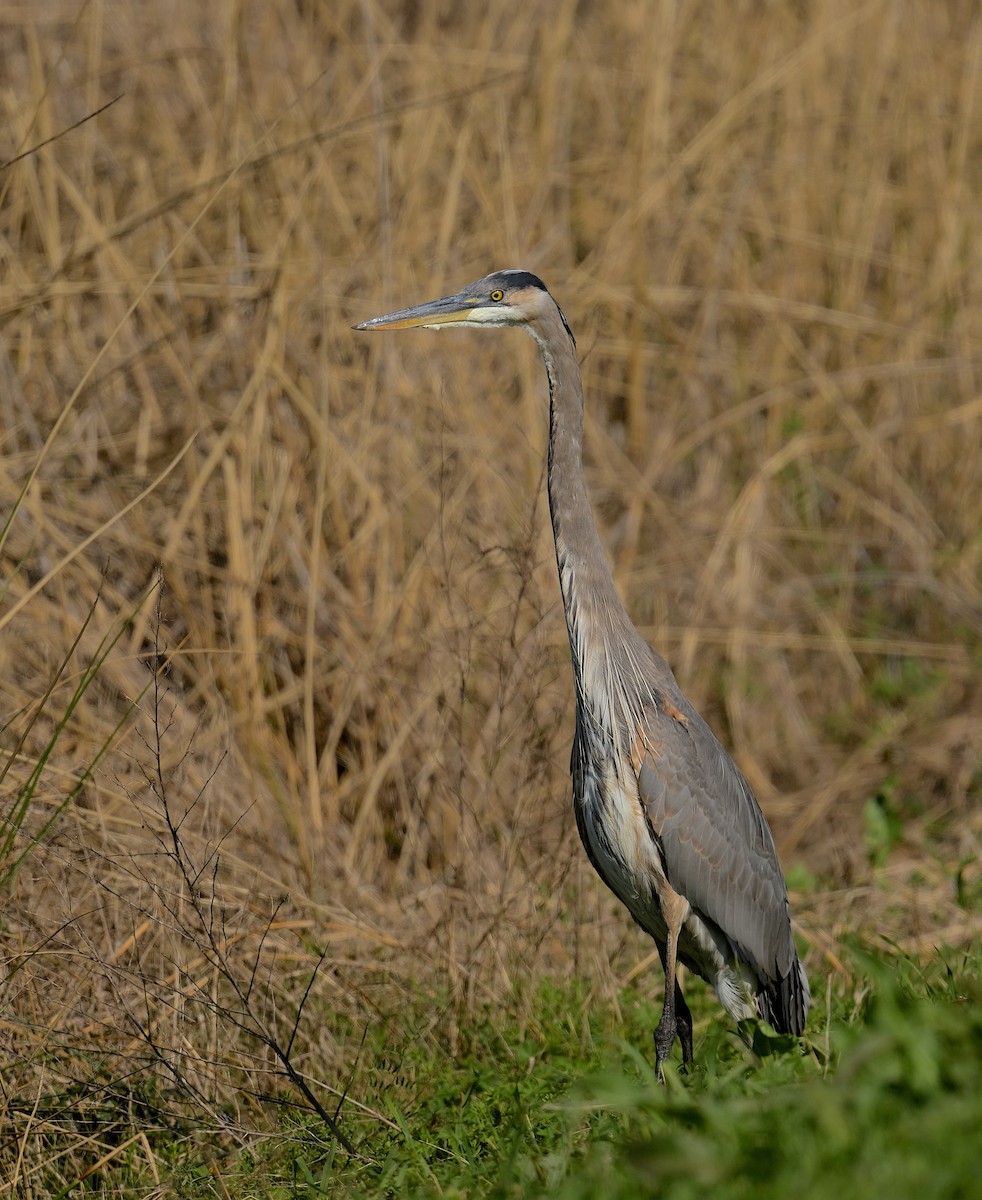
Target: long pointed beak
<point x="429" y="316"/>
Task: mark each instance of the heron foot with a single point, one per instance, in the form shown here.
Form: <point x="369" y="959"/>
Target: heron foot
<point x="665" y="1033"/>
<point x="676" y="1022"/>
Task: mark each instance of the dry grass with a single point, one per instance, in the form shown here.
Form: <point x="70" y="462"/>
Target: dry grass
<point x="763" y="223"/>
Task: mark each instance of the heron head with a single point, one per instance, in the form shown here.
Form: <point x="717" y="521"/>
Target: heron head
<point x="502" y="298"/>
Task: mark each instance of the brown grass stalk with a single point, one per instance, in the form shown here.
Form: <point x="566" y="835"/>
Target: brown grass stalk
<point x="762" y="223"/>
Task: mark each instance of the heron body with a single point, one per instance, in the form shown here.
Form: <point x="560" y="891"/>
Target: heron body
<point x="665" y="815"/>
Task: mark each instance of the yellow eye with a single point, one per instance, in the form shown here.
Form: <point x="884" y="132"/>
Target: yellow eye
<point x="497" y="294"/>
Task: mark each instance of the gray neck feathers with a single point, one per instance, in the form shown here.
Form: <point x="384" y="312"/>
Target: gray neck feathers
<point x="598" y="624"/>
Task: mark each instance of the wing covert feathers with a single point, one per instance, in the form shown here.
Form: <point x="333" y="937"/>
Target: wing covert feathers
<point x="718" y="851"/>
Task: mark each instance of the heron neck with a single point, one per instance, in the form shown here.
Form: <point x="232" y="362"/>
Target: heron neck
<point x="594" y="610"/>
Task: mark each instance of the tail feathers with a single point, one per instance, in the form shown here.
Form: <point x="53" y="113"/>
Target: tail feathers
<point x="784" y="1002"/>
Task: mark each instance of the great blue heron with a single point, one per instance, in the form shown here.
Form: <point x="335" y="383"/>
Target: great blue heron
<point x="666" y="817"/>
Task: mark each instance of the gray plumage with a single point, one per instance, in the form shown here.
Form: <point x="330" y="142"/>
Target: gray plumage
<point x="666" y="817"/>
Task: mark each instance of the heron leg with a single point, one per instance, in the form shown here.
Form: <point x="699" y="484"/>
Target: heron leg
<point x="683" y="1021"/>
<point x="683" y="1018"/>
<point x="676" y="1020"/>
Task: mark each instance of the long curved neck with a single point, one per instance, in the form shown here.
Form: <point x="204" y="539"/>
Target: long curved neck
<point x="595" y="615"/>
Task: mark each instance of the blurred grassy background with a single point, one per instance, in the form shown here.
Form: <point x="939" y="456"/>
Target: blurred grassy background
<point x="763" y="224"/>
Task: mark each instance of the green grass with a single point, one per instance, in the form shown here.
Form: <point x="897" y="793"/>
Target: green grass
<point x="881" y="1101"/>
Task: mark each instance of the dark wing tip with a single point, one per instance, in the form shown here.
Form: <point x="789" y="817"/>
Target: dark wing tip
<point x="785" y="1002"/>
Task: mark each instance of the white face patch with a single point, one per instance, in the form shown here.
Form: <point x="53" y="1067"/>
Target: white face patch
<point x="521" y="308"/>
<point x="498" y="314"/>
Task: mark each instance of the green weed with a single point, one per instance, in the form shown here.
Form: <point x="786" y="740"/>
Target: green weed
<point x="891" y="1109"/>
